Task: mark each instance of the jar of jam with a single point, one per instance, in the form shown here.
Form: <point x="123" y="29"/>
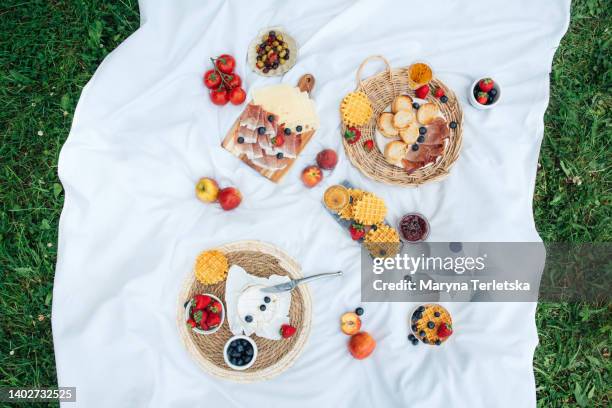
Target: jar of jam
<point x="413" y="227"/>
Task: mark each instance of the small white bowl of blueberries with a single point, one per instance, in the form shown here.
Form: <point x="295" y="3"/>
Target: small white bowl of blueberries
<point x="484" y="93"/>
<point x="240" y="352"/>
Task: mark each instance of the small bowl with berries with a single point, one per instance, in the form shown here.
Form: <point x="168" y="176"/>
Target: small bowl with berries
<point x="240" y="352"/>
<point x="484" y="93"/>
<point x="204" y="313"/>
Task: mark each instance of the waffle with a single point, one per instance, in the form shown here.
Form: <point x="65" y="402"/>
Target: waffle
<point x="419" y="324"/>
<point x="336" y="198"/>
<point x="355" y="195"/>
<point x="370" y="210"/>
<point x="382" y="241"/>
<point x="355" y="109"/>
<point x="210" y="267"/>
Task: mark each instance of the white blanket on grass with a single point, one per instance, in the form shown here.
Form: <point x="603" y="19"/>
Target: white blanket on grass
<point x="144" y="131"/>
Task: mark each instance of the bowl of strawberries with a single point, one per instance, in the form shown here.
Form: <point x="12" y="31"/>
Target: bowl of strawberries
<point x="484" y="93"/>
<point x="204" y="313"/>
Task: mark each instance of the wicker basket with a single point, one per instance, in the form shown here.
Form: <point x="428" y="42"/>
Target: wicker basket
<point x="381" y="89"/>
<point x="274" y="357"/>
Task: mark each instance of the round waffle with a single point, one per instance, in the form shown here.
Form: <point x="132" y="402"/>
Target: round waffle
<point x="382" y="241"/>
<point x="356" y="109"/>
<point x="426" y="314"/>
<point x="210" y="267"/>
<point x="370" y="210"/>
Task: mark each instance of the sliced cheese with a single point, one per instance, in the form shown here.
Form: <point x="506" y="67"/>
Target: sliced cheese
<point x="292" y="106"/>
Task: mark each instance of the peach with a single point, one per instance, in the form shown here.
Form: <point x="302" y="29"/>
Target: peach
<point x="361" y="345"/>
<point x="207" y="190"/>
<point x="311" y="176"/>
<point x="350" y="323"/>
<point x="229" y="198"/>
<point x="327" y="159"/>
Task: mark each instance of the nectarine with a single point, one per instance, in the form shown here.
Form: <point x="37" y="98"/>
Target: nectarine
<point x="361" y="345"/>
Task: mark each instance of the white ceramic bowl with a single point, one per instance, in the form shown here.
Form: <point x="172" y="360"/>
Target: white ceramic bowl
<point x="477" y="105"/>
<point x="198" y="330"/>
<point x="244" y="367"/>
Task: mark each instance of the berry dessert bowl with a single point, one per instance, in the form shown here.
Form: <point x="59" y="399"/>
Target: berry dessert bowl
<point x="484" y="93"/>
<point x="204" y="313"/>
<point x="240" y="352"/>
<point x="413" y="228"/>
<point x="430" y="324"/>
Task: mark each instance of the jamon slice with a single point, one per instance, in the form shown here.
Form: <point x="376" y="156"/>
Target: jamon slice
<point x="437" y="131"/>
<point x="271" y="127"/>
<point x="249" y="135"/>
<point x="426" y="153"/>
<point x="265" y="142"/>
<point x="290" y="147"/>
<point x="271" y="162"/>
<point x="250" y="116"/>
<point x="411" y="166"/>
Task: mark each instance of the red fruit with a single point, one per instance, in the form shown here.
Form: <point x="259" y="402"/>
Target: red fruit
<point x="369" y="145"/>
<point x="219" y="96"/>
<point x="212" y="79"/>
<point x="287" y="331"/>
<point x="278" y="140"/>
<point x="204" y="325"/>
<point x="327" y="159"/>
<point x="229" y="198"/>
<point x="485" y="85"/>
<point x="482" y="98"/>
<point x="311" y="176"/>
<point x="352" y="135"/>
<point x="234" y="81"/>
<point x="357" y="231"/>
<point x="191" y="322"/>
<point x="439" y="93"/>
<point x="215" y="307"/>
<point x="200" y="316"/>
<point x="237" y="96"/>
<point x="201" y="301"/>
<point x="213" y="320"/>
<point x="361" y="345"/>
<point x="444" y="330"/>
<point x="225" y="63"/>
<point x="422" y="91"/>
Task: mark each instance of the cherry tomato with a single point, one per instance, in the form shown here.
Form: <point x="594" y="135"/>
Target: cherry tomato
<point x="219" y="96"/>
<point x="237" y="96"/>
<point x="212" y="79"/>
<point x="235" y="81"/>
<point x="225" y="63"/>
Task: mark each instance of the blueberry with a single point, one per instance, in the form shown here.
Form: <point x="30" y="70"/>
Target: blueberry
<point x="272" y="33"/>
<point x="359" y="311"/>
<point x="270" y="118"/>
<point x="421" y="139"/>
<point x="279" y="155"/>
<point x="248" y="318"/>
<point x="232" y="361"/>
<point x="298" y="128"/>
<point x="247" y="359"/>
<point x="261" y="130"/>
<point x="438" y="342"/>
<point x="240" y="349"/>
<point x="414" y="327"/>
<point x="411" y="337"/>
<point x="266" y="70"/>
<point x="422" y="333"/>
<point x="418" y="314"/>
<point x="239" y="362"/>
<point x="437" y="314"/>
<point x="444" y="99"/>
<point x="415" y="147"/>
<point x="262" y="308"/>
<point x="249" y="352"/>
<point x="425" y="340"/>
<point x="416" y="105"/>
<point x="415" y="342"/>
<point x="240" y="140"/>
<point x="453" y="125"/>
<point x="287" y="131"/>
<point x="431" y="325"/>
<point x="374" y="227"/>
<point x="490" y="100"/>
<point x="267" y="299"/>
<point x="421" y="309"/>
<point x="422" y="130"/>
<point x="493" y="92"/>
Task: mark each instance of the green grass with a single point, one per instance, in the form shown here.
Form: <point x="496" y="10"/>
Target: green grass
<point x="48" y="51"/>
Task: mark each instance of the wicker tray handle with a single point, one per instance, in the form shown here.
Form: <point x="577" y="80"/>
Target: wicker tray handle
<point x="370" y="58"/>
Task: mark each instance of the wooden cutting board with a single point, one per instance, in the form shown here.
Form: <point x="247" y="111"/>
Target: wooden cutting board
<point x="306" y="84"/>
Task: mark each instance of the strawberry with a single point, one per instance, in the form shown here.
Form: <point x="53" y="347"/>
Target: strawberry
<point x="482" y="98"/>
<point x="445" y="330"/>
<point x="213" y="320"/>
<point x="357" y="231"/>
<point x="422" y="92"/>
<point x="215" y="307"/>
<point x="369" y="145"/>
<point x="204" y="325"/>
<point x="278" y="140"/>
<point x="200" y="315"/>
<point x="287" y="331"/>
<point x="486" y="84"/>
<point x="201" y="301"/>
<point x="352" y="135"/>
<point x="439" y="93"/>
<point x="191" y="322"/>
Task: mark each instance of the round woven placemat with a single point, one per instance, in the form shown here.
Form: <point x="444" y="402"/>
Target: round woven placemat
<point x="274" y="356"/>
<point x="381" y="89"/>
